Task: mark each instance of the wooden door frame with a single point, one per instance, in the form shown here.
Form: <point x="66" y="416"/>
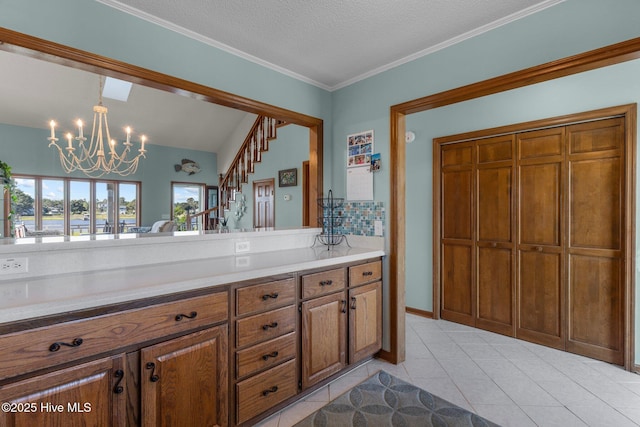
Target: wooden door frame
<point x="273" y="196"/>
<point x="591" y="60"/>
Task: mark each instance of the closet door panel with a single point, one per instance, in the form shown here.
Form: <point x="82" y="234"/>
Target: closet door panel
<point x="539" y="298"/>
<point x="494" y="204"/>
<point x="457" y="234"/>
<point x="495" y="296"/>
<point x="457" y="220"/>
<point x="540" y="204"/>
<point x="596" y="294"/>
<point x="540" y="266"/>
<point x="595" y="220"/>
<point x="595" y="307"/>
<point x="457" y="285"/>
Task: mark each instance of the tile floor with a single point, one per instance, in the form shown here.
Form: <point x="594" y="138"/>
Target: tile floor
<point x="510" y="382"/>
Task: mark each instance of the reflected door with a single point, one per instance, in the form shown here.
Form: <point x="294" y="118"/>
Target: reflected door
<point x="263" y="209"/>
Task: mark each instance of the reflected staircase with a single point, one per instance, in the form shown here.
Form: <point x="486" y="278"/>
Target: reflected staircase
<point x="264" y="130"/>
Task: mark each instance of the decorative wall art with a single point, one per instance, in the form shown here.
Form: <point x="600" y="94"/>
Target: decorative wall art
<point x="360" y="149"/>
<point x="288" y="178"/>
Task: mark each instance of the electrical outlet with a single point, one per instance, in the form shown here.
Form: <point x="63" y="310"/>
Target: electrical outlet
<point x="13" y="265"/>
<point x="243" y="246"/>
<point x="377" y="225"/>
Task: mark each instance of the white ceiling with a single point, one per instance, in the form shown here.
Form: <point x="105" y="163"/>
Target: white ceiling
<point x="330" y="43"/>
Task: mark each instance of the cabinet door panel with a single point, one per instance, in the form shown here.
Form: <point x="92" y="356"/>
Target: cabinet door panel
<point x="324" y="337"/>
<point x="184" y="380"/>
<point x="365" y="321"/>
<point x="82" y="395"/>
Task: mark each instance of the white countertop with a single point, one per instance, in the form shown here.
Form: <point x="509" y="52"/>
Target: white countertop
<point x="22" y="299"/>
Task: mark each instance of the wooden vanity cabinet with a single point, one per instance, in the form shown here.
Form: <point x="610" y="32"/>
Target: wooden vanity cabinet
<point x="265" y="346"/>
<point x="332" y="321"/>
<point x="184" y="380"/>
<point x="324" y="337"/>
<point x="90" y="394"/>
<point x="188" y="378"/>
<point x="365" y="310"/>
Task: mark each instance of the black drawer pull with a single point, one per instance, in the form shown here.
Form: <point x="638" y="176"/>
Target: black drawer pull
<point x="191" y="315"/>
<point x="119" y="374"/>
<point x="367" y="273"/>
<point x="344" y="306"/>
<point x="153" y="377"/>
<point x="353" y="303"/>
<point x="267" y="296"/>
<point x="271" y="390"/>
<point x="326" y="282"/>
<point x="56" y="345"/>
<point x="267" y="356"/>
<point x="271" y="325"/>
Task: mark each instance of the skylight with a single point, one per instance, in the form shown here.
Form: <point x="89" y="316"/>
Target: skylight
<point x="116" y="89"/>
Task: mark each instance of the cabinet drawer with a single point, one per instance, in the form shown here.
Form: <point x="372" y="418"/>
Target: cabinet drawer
<point x="39" y="348"/>
<point x="257" y="394"/>
<point x="261" y="327"/>
<point x="266" y="296"/>
<point x="265" y="355"/>
<point x="323" y="283"/>
<point x="365" y="273"/>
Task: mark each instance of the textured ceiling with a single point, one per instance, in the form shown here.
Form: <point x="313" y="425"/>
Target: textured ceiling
<point x="330" y="43"/>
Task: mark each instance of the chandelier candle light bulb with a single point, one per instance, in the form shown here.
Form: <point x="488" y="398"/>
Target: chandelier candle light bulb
<point x="91" y="159"/>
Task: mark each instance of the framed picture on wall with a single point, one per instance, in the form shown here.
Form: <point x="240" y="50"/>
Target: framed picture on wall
<point x="288" y="178"/>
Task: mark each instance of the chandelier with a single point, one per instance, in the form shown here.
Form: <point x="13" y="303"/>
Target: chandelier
<point x="93" y="159"/>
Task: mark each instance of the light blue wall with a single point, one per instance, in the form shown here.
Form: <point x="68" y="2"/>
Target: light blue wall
<point x="156" y="172"/>
<point x="288" y="151"/>
<point x="568" y="28"/>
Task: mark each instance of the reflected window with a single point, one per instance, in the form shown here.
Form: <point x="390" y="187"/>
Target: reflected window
<point x="186" y="200"/>
<point x="24" y="203"/>
<point x="52" y="206"/>
<point x="48" y="206"/>
<point x="79" y="207"/>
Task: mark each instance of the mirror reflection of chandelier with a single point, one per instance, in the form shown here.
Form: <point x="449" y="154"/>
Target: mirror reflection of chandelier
<point x="93" y="159"/>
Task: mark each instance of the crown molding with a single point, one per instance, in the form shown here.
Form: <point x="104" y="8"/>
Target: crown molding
<point x="226" y="48"/>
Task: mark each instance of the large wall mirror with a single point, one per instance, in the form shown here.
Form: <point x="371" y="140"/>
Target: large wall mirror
<point x="182" y="120"/>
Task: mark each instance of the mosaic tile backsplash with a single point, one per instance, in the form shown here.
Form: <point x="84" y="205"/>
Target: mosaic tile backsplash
<point x="356" y="218"/>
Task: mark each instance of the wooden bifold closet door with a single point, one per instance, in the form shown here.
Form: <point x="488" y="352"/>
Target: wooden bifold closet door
<point x="532" y="241"/>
